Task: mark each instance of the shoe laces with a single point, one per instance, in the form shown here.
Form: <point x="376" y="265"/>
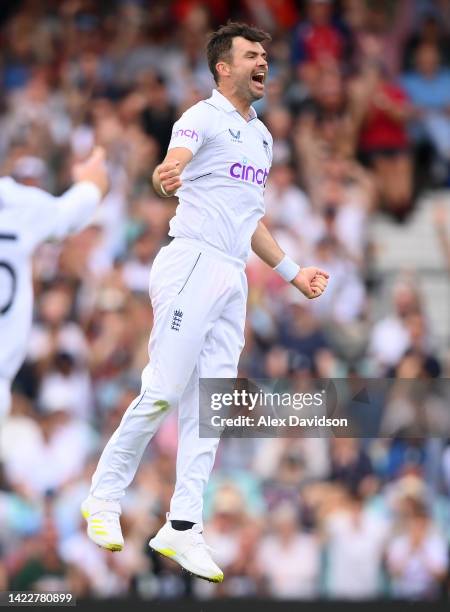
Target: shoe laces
<point x="197" y="538"/>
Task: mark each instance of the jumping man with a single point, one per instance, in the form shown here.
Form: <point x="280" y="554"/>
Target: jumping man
<point x="217" y="164"/>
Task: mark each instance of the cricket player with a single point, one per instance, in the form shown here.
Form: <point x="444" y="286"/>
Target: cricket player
<point x="217" y="164"/>
<point x="28" y="217"/>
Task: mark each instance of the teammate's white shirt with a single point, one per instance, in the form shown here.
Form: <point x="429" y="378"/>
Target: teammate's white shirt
<point x="29" y="216"/>
<point x="222" y="192"/>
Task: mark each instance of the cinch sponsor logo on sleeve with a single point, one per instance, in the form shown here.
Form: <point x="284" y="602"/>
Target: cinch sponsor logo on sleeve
<point x="248" y="173"/>
<point x="187" y="133"/>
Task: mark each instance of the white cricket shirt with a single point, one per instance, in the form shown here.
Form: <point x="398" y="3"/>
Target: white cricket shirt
<point x="222" y="193"/>
<point x="29" y="216"/>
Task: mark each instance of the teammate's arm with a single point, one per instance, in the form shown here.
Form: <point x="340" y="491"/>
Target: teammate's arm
<point x="311" y="281"/>
<point x="46" y="216"/>
<point x="167" y="175"/>
<point x="74" y="209"/>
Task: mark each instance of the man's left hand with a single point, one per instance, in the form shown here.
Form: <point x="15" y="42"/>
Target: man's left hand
<point x="312" y="282"/>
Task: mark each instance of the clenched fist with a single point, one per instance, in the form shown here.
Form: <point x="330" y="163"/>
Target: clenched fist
<point x="312" y="282"/>
<point x="169" y="177"/>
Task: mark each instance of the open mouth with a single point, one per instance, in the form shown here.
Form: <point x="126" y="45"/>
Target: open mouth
<point x="259" y="77"/>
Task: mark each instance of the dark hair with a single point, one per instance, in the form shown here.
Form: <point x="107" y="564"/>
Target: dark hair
<point x="219" y="43"/>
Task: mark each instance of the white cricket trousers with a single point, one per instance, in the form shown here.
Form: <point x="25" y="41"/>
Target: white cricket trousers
<point x="199" y="297"/>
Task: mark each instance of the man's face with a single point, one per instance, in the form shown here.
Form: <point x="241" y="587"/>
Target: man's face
<point x="248" y="65"/>
<point x="319" y="13"/>
<point x="427" y="60"/>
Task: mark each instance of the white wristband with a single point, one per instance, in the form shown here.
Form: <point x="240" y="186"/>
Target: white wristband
<point x="287" y="269"/>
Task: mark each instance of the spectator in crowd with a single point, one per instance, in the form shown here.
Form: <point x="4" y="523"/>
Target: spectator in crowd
<point x="382" y="109"/>
<point x="417" y="558"/>
<point x="355" y="538"/>
<point x="430" y="30"/>
<point x="43" y="570"/>
<point x="286" y="204"/>
<point x="225" y="531"/>
<point x="350" y="464"/>
<point x="158" y="115"/>
<point x="289" y="559"/>
<point x="390" y="338"/>
<point x="318" y="40"/>
<point x="428" y="88"/>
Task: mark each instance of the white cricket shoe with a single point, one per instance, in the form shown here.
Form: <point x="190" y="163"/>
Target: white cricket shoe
<point x="103" y="522"/>
<point x="187" y="548"/>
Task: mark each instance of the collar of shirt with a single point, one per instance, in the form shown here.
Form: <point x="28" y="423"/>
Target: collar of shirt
<point x="220" y="101"/>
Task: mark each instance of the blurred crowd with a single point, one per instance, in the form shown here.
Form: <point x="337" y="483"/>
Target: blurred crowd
<point x="358" y="102"/>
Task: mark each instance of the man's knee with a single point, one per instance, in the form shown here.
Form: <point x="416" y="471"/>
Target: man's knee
<point x="160" y="402"/>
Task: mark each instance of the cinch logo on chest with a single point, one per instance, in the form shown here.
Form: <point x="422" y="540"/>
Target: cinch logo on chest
<point x="248" y="173"/>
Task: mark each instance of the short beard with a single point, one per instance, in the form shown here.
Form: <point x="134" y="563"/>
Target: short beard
<point x="256" y="96"/>
<point x="247" y="94"/>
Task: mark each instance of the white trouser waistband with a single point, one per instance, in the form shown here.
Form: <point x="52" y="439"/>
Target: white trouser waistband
<point x="207" y="248"/>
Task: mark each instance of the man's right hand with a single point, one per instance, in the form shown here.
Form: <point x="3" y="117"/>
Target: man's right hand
<point x="169" y="176"/>
<point x="94" y="170"/>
